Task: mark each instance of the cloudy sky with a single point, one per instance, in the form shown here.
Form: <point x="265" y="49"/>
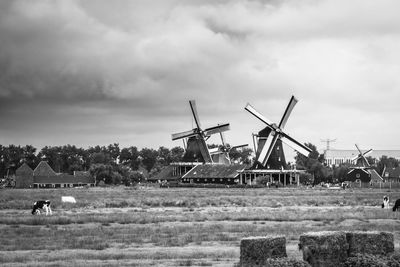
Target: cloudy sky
<point x="99" y="72"/>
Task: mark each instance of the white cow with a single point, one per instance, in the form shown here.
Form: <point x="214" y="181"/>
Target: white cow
<point x="68" y="199"/>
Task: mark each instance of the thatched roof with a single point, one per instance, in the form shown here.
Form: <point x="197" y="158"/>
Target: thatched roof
<point x="164" y="174"/>
<point x="43" y="169"/>
<point x="215" y="171"/>
<point x="24" y="169"/>
<point x="63" y="179"/>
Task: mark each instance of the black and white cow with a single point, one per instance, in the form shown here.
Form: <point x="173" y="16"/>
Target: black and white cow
<point x="396" y="205"/>
<point x="385" y="204"/>
<point x="41" y="205"/>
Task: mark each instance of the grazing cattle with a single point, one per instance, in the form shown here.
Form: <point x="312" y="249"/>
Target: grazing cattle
<point x="68" y="199"/>
<point x="396" y="205"/>
<point x="385" y="204"/>
<point x="41" y="205"/>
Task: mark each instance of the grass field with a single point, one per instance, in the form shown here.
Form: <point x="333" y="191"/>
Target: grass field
<point x="150" y="226"/>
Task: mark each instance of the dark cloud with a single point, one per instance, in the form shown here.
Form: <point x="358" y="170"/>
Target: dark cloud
<point x="124" y="71"/>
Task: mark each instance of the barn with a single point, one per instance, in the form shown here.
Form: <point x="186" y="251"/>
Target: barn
<point x="358" y="175"/>
<point x="214" y="174"/>
<point x="392" y="175"/>
<point x="43" y="176"/>
<point x="173" y="172"/>
<point x="24" y="176"/>
<point x="363" y="176"/>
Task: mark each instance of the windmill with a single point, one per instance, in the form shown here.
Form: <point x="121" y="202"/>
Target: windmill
<point x="364" y="172"/>
<point x="270" y="138"/>
<point x="196" y="146"/>
<point x="221" y="154"/>
<point x="361" y="157"/>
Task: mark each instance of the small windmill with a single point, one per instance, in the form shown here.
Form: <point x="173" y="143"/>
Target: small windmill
<point x="221" y="154"/>
<point x="361" y="157"/>
<point x="196" y="146"/>
<point x="363" y="172"/>
<point x="269" y="139"/>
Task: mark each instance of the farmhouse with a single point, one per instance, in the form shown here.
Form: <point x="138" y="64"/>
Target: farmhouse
<point x="214" y="173"/>
<point x="24" y="176"/>
<point x="173" y="172"/>
<point x="392" y="175"/>
<point x="43" y="176"/>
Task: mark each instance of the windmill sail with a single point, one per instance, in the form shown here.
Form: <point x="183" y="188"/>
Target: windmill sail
<point x="267" y="138"/>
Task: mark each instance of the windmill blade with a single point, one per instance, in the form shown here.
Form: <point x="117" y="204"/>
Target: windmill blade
<point x="217" y="129"/>
<point x="359" y="150"/>
<point x="293" y="143"/>
<point x="288" y="111"/>
<point x="204" y="150"/>
<point x="254" y="136"/>
<point x="367" y="152"/>
<point x="268" y="147"/>
<point x="183" y="135"/>
<point x="222" y="138"/>
<point x="195" y="114"/>
<point x="239" y="146"/>
<point x="258" y="115"/>
<point x="214" y="150"/>
<point x="184" y="143"/>
<point x="362" y="155"/>
<point x="365" y="159"/>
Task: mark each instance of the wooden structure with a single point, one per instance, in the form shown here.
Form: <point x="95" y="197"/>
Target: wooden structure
<point x="272" y="177"/>
<point x="214" y="173"/>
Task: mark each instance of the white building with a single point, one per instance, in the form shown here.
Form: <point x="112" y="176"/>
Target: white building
<point x="340" y="156"/>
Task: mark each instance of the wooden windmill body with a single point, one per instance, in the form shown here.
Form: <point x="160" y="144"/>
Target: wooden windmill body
<point x="269" y="151"/>
<point x="220" y="154"/>
<point x="196" y="146"/>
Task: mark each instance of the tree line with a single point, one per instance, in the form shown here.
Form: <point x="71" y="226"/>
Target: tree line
<point x="110" y="164"/>
<point x="114" y="165"/>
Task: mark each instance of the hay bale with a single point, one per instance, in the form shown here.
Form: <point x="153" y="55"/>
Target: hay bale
<point x="374" y="243"/>
<point x="255" y="250"/>
<point x="366" y="260"/>
<point x="324" y="248"/>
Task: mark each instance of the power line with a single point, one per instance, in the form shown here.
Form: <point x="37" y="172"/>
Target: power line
<point x="328" y="141"/>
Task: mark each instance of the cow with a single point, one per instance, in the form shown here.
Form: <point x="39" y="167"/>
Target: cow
<point x="41" y="205"/>
<point x="396" y="206"/>
<point x="385" y="204"/>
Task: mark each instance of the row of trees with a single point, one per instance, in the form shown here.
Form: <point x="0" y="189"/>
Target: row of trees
<point x="111" y="163"/>
<point x="114" y="165"/>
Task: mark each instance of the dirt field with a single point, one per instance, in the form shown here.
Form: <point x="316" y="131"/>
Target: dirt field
<point x="150" y="226"/>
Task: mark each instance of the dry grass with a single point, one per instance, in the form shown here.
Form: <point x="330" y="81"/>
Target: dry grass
<point x="176" y="226"/>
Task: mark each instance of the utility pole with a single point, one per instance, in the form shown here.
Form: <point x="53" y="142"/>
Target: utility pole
<point x="328" y="141"/>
